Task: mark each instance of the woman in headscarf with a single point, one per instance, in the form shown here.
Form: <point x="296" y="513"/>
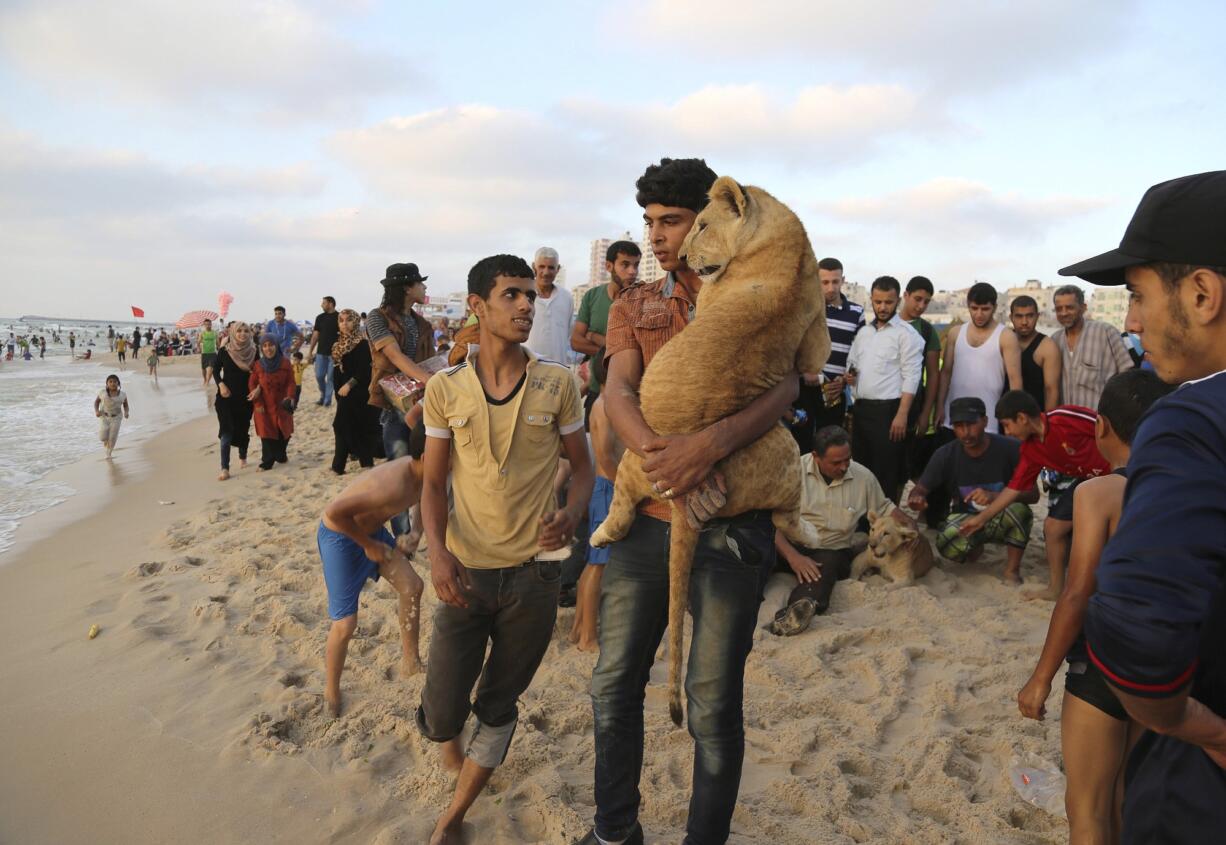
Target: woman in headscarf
<point x="356" y="424"/>
<point x="232" y="370"/>
<point x="272" y="392"/>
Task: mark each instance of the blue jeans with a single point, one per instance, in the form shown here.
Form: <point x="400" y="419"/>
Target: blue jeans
<point x="731" y="565"/>
<point x="323" y="378"/>
<point x="395" y="445"/>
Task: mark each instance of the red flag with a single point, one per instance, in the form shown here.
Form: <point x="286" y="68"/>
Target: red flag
<point x="138" y="312"/>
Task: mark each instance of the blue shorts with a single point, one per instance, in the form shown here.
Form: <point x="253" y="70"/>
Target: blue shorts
<point x="597" y="510"/>
<point x="346" y="568"/>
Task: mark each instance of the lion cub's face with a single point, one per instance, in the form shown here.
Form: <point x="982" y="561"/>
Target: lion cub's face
<point x="886" y="536"/>
<point x="721" y="230"/>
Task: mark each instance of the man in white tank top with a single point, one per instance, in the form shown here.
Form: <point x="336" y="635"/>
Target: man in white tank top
<point x="979" y="357"/>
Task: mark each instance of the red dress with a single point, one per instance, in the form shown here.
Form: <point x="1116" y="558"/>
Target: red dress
<point x="272" y="420"/>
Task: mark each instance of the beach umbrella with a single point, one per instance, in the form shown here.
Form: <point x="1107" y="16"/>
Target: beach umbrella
<point x="223" y="302"/>
<point x="195" y="319"/>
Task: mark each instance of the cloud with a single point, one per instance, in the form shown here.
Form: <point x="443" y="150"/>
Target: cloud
<point x="821" y="124"/>
<point x="951" y="44"/>
<point x="272" y="57"/>
<point x="951" y="210"/>
<point x="45" y="180"/>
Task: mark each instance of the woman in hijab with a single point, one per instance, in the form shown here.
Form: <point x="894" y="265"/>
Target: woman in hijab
<point x="272" y="392"/>
<point x="356" y="424"/>
<point x="232" y="370"/>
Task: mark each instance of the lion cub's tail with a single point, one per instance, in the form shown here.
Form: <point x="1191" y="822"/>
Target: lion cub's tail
<point x="680" y="561"/>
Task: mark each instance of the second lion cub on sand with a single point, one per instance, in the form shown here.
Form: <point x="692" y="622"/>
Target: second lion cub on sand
<point x="896" y="549"/>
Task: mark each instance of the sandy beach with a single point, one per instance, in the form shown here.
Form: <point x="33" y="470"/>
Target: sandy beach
<point x="196" y="715"/>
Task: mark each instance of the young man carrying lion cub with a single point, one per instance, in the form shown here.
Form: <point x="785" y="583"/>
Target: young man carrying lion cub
<point x="731" y="562"/>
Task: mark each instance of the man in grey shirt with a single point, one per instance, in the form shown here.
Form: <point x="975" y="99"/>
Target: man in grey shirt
<point x="1091" y="351"/>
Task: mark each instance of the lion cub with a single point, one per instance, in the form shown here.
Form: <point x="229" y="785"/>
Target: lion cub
<point x="895" y="549"/>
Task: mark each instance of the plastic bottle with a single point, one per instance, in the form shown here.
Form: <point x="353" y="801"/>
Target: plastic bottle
<point x="1038" y="782"/>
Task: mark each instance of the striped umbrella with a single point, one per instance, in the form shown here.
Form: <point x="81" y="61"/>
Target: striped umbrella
<point x="195" y="319"/>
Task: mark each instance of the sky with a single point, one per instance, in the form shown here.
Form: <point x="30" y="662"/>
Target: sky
<point x="157" y="153"/>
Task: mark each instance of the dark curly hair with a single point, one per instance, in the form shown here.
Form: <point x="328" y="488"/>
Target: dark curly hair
<point x="481" y="277"/>
<point x="676" y="182"/>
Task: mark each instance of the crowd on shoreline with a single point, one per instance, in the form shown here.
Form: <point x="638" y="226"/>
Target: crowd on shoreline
<point x="502" y="454"/>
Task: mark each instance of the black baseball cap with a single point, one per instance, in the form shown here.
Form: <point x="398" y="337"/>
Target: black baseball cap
<point x="1182" y="221"/>
<point x="967" y="409"/>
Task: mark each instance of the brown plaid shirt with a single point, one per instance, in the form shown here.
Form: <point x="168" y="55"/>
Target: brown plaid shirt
<point x="1099" y="355"/>
<point x="644" y="318"/>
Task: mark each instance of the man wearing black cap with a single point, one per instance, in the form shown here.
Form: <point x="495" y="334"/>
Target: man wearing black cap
<point x="1156" y="626"/>
<point x="971" y="472"/>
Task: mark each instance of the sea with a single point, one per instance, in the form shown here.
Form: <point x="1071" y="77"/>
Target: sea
<point x="47" y="411"/>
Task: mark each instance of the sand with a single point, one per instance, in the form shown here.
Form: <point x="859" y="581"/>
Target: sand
<point x="197" y="713"/>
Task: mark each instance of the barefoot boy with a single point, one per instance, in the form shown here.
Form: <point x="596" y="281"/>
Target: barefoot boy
<point x="497" y="423"/>
<point x="607" y="451"/>
<point x="1061" y="439"/>
<point x="1094" y="728"/>
<point x="355" y="546"/>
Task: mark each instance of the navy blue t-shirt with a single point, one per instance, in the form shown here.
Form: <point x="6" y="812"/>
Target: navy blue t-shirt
<point x="1157" y="623"/>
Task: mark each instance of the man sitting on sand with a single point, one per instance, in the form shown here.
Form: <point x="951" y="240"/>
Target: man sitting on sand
<point x="1095" y="732"/>
<point x="837" y="493"/>
<point x="1061" y="439"/>
<point x="971" y="472"/>
<point x="497" y="423"/>
<point x="355" y="546"/>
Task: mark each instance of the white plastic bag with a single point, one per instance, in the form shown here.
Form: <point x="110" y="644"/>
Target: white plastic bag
<point x="1038" y="782"/>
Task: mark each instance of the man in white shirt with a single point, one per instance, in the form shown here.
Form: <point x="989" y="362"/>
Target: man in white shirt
<point x="883" y="368"/>
<point x="555" y="310"/>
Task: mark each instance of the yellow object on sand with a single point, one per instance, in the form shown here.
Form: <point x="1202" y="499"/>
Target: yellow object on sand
<point x="93" y="631"/>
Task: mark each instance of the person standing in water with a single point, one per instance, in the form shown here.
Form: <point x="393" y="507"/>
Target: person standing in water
<point x="107" y="407"/>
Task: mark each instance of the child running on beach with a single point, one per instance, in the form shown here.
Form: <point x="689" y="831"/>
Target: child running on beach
<point x="121" y="348"/>
<point x="497" y="423"/>
<point x="1095" y="732"/>
<point x="107" y="407"/>
<point x="355" y="546"/>
<point x="152" y="361"/>
<point x="607" y="450"/>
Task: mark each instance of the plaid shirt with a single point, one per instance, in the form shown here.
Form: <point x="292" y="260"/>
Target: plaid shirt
<point x="644" y="318"/>
<point x="1099" y="355"/>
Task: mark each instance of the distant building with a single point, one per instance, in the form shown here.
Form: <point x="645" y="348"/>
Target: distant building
<point x="1110" y="304"/>
<point x="597" y="274"/>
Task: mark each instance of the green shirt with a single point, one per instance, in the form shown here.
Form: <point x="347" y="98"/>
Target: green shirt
<point x="208" y="343"/>
<point x="594" y="313"/>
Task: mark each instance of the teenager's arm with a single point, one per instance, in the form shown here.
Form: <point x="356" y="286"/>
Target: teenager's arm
<point x="342" y="515"/>
<point x="932" y="379"/>
<point x="621" y="397"/>
<point x="406" y="365"/>
<point x="1011" y="352"/>
<point x="125" y="407"/>
<point x="1005" y="498"/>
<point x="558" y="527"/>
<point x="1053" y="366"/>
<point x="947" y="373"/>
<point x="580" y="342"/>
<point x="447" y="574"/>
<point x="1091" y="528"/>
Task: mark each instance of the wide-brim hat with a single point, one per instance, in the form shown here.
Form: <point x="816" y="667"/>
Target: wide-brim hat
<point x="1182" y="221"/>
<point x="402" y="274"/>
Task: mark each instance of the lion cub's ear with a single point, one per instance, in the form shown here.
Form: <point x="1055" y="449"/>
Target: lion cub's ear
<point x="728" y="192"/>
<point x="872" y="517"/>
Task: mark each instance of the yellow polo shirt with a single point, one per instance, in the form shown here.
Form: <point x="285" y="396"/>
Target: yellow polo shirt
<point x="503" y="456"/>
<point x="834" y="509"/>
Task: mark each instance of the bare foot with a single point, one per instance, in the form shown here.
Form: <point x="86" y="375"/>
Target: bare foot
<point x="585" y="644"/>
<point x="447" y="833"/>
<point x="1046" y="594"/>
<point x="451" y="755"/>
<point x="410" y="666"/>
<point x="573" y="637"/>
<point x="332" y="703"/>
<point x="1012" y="577"/>
<point x="224" y="475"/>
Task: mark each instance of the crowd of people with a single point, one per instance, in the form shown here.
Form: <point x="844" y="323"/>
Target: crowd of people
<point x="505" y="455"/>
